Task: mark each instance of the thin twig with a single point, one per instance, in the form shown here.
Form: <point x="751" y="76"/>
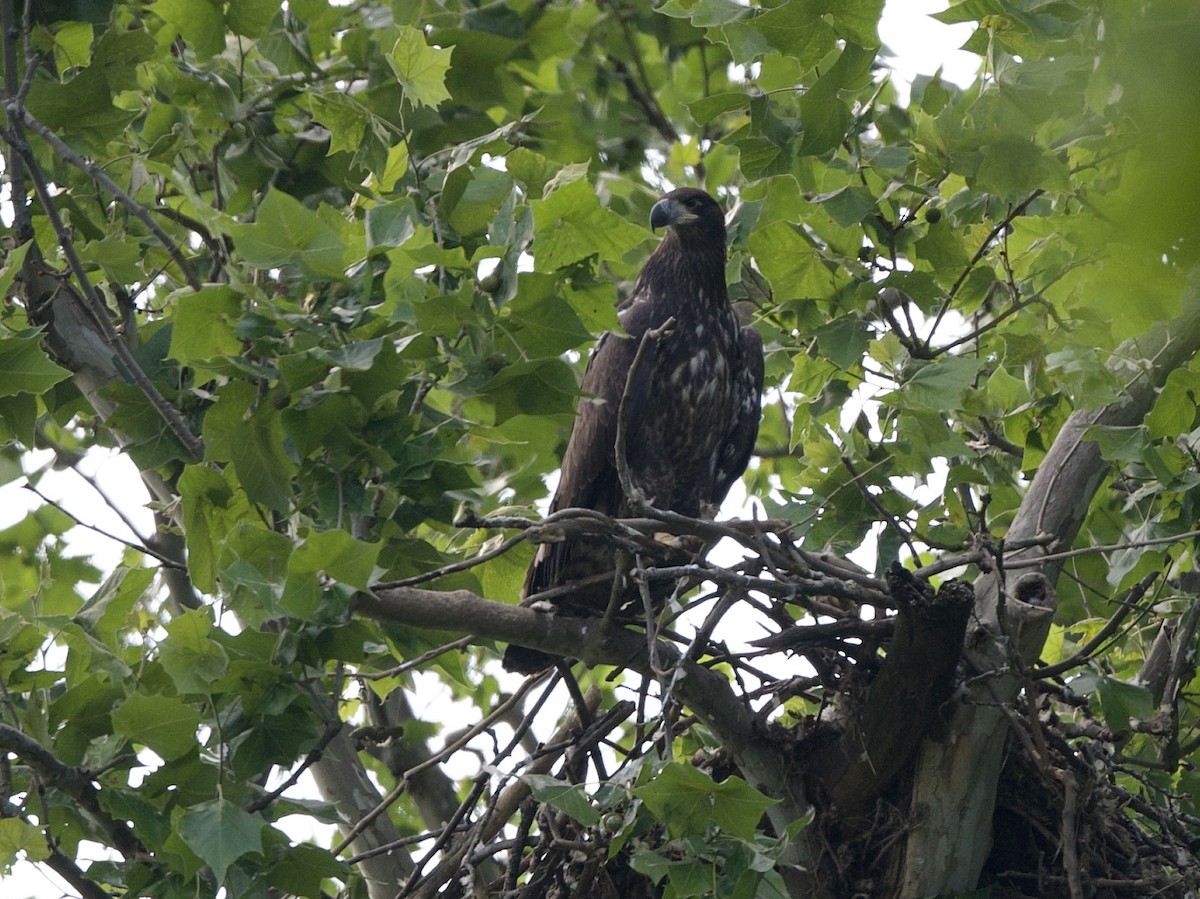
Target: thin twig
<point x="1085" y="652"/>
<point x="164" y="560"/>
<point x="100" y="177"/>
<point x="1070" y="834"/>
<point x="984" y="246"/>
<point x="91" y="301"/>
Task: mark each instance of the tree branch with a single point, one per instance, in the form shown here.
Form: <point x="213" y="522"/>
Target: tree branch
<point x="101" y="177"/>
<point x="916" y="678"/>
<point x="72" y="781"/>
<point x="955" y="788"/>
<point x="766" y="766"/>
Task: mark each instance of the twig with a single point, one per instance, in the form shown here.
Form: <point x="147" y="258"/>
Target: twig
<point x="435" y="759"/>
<point x="460" y="643"/>
<point x="892" y="521"/>
<point x="166" y="561"/>
<point x="1070" y="835"/>
<point x="74" y="783"/>
<point x="984" y="246"/>
<point x="639" y="87"/>
<point x="91" y="302"/>
<point x="1085" y="652"/>
<point x="1092" y="550"/>
<point x="100" y="177"/>
<point x="332" y="729"/>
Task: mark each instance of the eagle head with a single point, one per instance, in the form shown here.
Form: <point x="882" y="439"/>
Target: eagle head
<point x="686" y="207"/>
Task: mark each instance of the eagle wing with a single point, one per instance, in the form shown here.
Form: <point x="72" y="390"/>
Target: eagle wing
<point x="589" y="474"/>
<point x="743" y="429"/>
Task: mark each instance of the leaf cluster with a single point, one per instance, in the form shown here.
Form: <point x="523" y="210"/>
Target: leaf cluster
<point x="329" y="273"/>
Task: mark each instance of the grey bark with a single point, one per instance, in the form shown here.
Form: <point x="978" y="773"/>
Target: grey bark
<point x="955" y="786"/>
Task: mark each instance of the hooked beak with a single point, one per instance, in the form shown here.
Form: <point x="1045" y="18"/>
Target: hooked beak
<point x="668" y="212"/>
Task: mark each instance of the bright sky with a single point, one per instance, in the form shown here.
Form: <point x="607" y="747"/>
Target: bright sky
<point x="918" y="45"/>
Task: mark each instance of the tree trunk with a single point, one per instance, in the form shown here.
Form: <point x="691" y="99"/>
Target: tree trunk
<point x="954" y="791"/>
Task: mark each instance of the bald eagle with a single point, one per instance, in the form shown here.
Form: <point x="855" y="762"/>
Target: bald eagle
<point x="691" y="417"/>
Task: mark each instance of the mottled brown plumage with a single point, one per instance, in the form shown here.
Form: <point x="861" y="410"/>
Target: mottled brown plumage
<point x="692" y="413"/>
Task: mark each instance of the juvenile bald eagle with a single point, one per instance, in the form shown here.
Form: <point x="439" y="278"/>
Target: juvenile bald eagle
<point x="691" y="416"/>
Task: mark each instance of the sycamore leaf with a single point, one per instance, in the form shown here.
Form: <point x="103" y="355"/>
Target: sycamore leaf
<point x="204" y="324"/>
<point x="199" y="22"/>
<point x="570" y="225"/>
<point x="939" y="385"/>
<point x="566" y="797"/>
<point x="285" y="232"/>
<point x="241" y="430"/>
<point x="688" y="801"/>
<point x="191" y="658"/>
<point x="220" y="833"/>
<point x="25" y="368"/>
<point x="421" y="68"/>
<point x="204" y="494"/>
<point x="12" y="267"/>
<point x="338" y="555"/>
<point x="165" y="724"/>
<point x="17" y="836"/>
<point x="345" y="119"/>
<point x="302" y="869"/>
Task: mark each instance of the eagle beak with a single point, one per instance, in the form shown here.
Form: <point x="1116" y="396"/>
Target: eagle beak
<point x="669" y="212"/>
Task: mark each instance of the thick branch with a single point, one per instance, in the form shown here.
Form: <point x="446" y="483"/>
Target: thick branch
<point x="342" y="780"/>
<point x="916" y="678"/>
<point x="764" y="764"/>
<point x="72" y="781"/>
<point x="955" y="788"/>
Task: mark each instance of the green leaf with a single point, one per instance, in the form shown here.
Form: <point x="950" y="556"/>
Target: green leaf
<point x="847" y="205"/>
<point x="395" y="167"/>
<point x="189" y="655"/>
<point x="571" y="225"/>
<point x="1121" y="444"/>
<point x="1014" y="166"/>
<point x="790" y="29"/>
<point x="107" y="611"/>
<point x="545" y="324"/>
<point x="338" y="555"/>
<point x="303" y="868"/>
<point x="251" y="18"/>
<point x="164" y="724"/>
<point x="204" y="495"/>
<point x="939" y="385"/>
<point x="204" y="324"/>
<point x="81" y="106"/>
<point x="345" y="119"/>
<point x="789" y="261"/>
<point x="844" y="341"/>
<point x="704" y="13"/>
<point x="199" y="22"/>
<point x="19" y="838"/>
<point x="566" y="797"/>
<point x="285" y="232"/>
<point x="248" y="433"/>
<point x="25" y="368"/>
<point x="688" y="801"/>
<point x="13" y="263"/>
<point x="708" y="108"/>
<point x="220" y="833"/>
<point x="421" y="69"/>
<point x="73" y="45"/>
<point x="1121" y="701"/>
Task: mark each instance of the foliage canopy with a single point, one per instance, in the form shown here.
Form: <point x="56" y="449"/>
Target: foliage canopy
<point x="326" y="275"/>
